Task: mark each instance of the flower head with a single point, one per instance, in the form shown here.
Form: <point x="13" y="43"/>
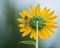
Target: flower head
<point x="45" y="20"/>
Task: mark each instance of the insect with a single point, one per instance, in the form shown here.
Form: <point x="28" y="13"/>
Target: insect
<point x="26" y="19"/>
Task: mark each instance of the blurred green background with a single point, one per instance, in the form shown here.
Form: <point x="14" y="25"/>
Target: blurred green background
<point x="11" y="36"/>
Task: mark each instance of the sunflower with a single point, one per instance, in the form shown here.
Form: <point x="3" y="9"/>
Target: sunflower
<point x="45" y="20"/>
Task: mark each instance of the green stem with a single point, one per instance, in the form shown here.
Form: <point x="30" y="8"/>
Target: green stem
<point x="37" y="34"/>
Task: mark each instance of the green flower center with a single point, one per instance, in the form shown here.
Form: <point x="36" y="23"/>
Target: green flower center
<point x="41" y="22"/>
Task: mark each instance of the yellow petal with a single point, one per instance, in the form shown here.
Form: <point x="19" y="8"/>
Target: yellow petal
<point x="21" y="14"/>
<point x="26" y="32"/>
<point x="32" y="10"/>
<point x="46" y="12"/>
<point x="37" y="10"/>
<point x="22" y="29"/>
<point x="51" y="25"/>
<point x="40" y="35"/>
<point x="43" y="11"/>
<point x="20" y="20"/>
<point x="31" y="35"/>
<point x="50" y="21"/>
<point x="26" y="13"/>
<point x="49" y="29"/>
<point x="47" y="32"/>
<point x="52" y="18"/>
<point x="21" y="25"/>
<point x="50" y="14"/>
<point x="34" y="35"/>
<point x="44" y="34"/>
<point x="27" y="26"/>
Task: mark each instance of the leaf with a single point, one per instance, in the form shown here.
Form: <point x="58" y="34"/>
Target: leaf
<point x="28" y="42"/>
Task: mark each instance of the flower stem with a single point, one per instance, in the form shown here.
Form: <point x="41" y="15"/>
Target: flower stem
<point x="36" y="34"/>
